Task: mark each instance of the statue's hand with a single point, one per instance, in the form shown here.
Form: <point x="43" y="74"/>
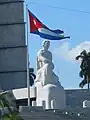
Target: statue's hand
<point x="46" y="61"/>
<point x="49" y="63"/>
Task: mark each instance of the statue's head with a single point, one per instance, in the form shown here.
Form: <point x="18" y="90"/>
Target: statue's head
<point x="46" y="44"/>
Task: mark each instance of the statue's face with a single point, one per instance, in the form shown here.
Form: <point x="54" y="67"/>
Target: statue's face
<point x="46" y="45"/>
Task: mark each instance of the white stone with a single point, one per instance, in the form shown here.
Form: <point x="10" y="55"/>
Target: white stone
<point x="53" y="96"/>
<point x="23" y="93"/>
<point x="33" y="103"/>
<point x="53" y="104"/>
<point x="44" y="104"/>
<point x="86" y="104"/>
<point x="47" y="82"/>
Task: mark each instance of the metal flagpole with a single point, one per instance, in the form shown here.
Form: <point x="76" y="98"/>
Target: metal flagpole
<point x="28" y="80"/>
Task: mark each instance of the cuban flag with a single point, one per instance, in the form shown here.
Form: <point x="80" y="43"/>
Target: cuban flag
<point x="38" y="28"/>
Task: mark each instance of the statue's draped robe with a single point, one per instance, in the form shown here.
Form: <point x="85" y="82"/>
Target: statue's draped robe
<point x="45" y="68"/>
<point x="48" y="87"/>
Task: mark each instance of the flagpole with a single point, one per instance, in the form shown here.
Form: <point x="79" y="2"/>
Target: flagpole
<point x="28" y="80"/>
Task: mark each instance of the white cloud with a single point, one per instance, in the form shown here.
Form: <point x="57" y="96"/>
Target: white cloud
<point x="67" y="53"/>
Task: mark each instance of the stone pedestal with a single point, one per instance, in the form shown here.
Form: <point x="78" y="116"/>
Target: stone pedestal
<point x="86" y="104"/>
<point x="53" y="96"/>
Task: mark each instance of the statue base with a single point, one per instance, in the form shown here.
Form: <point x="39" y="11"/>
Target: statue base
<point x="50" y="96"/>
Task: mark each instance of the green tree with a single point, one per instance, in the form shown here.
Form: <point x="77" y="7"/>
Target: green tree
<point x="4" y="103"/>
<point x="84" y="68"/>
<point x="12" y="113"/>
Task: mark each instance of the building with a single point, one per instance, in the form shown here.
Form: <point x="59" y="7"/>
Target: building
<point x="74" y="97"/>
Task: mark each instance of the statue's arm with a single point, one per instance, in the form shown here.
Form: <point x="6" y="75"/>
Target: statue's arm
<point x="42" y="59"/>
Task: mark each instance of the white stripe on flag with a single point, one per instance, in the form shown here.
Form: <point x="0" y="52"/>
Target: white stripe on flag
<point x="48" y="32"/>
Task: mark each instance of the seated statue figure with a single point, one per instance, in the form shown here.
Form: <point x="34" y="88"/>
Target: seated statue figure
<point x="45" y="66"/>
<point x="49" y="92"/>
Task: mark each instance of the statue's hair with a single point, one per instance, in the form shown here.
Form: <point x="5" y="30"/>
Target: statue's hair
<point x="45" y="41"/>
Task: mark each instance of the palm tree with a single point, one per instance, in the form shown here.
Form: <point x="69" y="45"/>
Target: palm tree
<point x="85" y="68"/>
<point x="4" y="103"/>
<point x="32" y="76"/>
<point x="10" y="114"/>
<point x="14" y="115"/>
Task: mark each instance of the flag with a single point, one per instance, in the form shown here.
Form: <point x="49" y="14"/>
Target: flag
<point x="38" y="28"/>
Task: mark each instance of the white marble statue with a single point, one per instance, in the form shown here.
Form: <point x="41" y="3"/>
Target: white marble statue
<point x="49" y="89"/>
<point x="45" y="67"/>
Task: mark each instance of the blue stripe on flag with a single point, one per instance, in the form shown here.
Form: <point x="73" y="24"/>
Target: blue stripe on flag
<point x="50" y="37"/>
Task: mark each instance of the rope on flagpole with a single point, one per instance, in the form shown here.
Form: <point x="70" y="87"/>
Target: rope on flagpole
<point x="28" y="80"/>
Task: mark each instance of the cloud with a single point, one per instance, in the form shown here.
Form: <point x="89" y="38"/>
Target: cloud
<point x="67" y="53"/>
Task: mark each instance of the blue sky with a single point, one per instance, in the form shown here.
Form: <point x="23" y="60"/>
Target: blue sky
<point x="62" y="14"/>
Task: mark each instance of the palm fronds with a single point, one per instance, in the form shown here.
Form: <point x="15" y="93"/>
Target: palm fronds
<point x="84" y="68"/>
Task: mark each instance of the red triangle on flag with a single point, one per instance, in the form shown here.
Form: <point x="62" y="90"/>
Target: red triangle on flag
<point x="35" y="24"/>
